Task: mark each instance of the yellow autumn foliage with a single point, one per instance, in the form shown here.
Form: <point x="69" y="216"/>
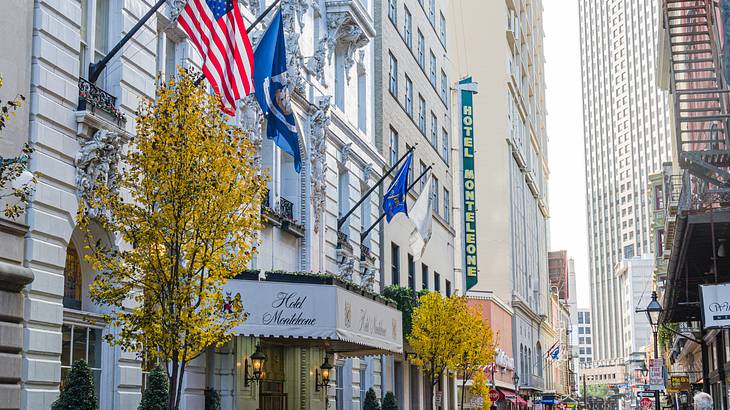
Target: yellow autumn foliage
<point x="187" y="209"/>
<point x="480" y="387"/>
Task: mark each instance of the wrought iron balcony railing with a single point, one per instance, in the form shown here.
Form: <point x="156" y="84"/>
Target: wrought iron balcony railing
<point x="286" y="209"/>
<point x="92" y="98"/>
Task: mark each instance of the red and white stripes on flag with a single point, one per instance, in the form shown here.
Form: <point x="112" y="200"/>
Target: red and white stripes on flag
<point x="217" y="30"/>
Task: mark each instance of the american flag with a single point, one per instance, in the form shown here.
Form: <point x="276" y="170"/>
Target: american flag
<point x="217" y="30"/>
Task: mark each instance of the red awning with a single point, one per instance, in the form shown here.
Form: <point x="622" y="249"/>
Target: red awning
<point x="509" y="395"/>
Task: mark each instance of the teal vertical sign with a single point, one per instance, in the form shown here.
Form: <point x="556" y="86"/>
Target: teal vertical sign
<point x="467" y="90"/>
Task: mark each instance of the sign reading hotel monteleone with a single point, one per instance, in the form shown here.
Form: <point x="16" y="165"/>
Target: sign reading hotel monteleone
<point x="715" y="305"/>
<point x="467" y="89"/>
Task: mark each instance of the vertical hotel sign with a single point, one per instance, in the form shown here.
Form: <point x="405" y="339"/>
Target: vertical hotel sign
<point x="467" y="90"/>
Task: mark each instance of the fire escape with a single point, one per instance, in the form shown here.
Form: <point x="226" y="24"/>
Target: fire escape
<point x="700" y="95"/>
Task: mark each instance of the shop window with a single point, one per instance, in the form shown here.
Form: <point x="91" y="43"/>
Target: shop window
<point x="81" y="343"/>
<point x="72" y="279"/>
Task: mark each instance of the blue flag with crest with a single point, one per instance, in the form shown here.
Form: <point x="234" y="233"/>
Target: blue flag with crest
<point x="394" y="200"/>
<point x="270" y="79"/>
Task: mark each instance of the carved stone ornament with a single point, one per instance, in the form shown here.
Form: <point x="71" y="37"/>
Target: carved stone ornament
<point x="367" y="172"/>
<point x="345" y="264"/>
<point x="367" y="279"/>
<point x="174" y="8"/>
<point x="97" y="164"/>
<point x="319" y="120"/>
<point x="318" y="61"/>
<point x="292" y="15"/>
<point x="251" y="119"/>
<point x="254" y="6"/>
<point x="343" y="30"/>
<point x="345" y="152"/>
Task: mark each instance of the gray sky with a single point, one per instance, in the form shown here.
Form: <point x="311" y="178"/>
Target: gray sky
<point x="565" y="133"/>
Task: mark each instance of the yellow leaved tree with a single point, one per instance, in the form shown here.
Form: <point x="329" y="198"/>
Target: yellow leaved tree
<point x="476" y="348"/>
<point x="480" y="387"/>
<point x="437" y="335"/>
<point x="186" y="207"/>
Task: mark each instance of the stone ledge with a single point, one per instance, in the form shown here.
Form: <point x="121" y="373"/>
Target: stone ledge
<point x="14" y="277"/>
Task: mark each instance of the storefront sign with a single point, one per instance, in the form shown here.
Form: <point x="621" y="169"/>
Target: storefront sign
<point x="678" y="383"/>
<point x="282" y="309"/>
<point x="503" y="360"/>
<point x="715" y="305"/>
<point x="469" y="208"/>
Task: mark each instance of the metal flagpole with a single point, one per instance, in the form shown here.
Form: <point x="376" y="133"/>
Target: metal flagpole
<point x="382" y="215"/>
<point x="370" y="191"/>
<point x="95" y="69"/>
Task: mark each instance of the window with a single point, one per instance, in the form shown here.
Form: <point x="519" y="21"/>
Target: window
<point x="393" y="75"/>
<point x="432" y="11"/>
<point x="435" y="193"/>
<point x="81" y="343"/>
<point x="94" y="46"/>
<point x="448" y="288"/>
<point x="445" y="145"/>
<point x="393" y="11"/>
<point x="409" y="96"/>
<point x="421" y="113"/>
<point x="393" y="146"/>
<point x="410" y="169"/>
<point x="447" y="206"/>
<point x="442" y="27"/>
<point x="421" y="50"/>
<point x="423" y="180"/>
<point x="432" y="73"/>
<point x="411" y="272"/>
<point x="340" y="387"/>
<point x="444" y="87"/>
<point x="72" y="279"/>
<point x="424" y="276"/>
<point x="436" y="282"/>
<point x="395" y="263"/>
<point x="408" y="28"/>
<point x="434" y="131"/>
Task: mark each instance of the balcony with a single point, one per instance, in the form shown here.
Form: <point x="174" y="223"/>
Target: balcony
<point x="94" y="99"/>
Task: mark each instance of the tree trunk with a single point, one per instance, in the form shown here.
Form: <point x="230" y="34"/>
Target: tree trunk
<point x="463" y="390"/>
<point x="171" y="401"/>
<point x="179" y="384"/>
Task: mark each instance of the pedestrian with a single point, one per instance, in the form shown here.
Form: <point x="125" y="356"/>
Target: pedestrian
<point x="703" y="401"/>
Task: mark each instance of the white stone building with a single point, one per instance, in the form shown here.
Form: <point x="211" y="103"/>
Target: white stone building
<point x="330" y="47"/>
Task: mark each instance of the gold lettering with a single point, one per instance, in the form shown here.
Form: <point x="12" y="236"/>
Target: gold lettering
<point x="471" y="271"/>
<point x="467" y="109"/>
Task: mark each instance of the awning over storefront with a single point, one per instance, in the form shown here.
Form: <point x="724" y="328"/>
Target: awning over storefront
<point x="510" y="396"/>
<point x="318" y="311"/>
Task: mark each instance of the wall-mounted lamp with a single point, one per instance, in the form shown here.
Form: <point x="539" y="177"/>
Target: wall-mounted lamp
<point x="257" y="367"/>
<point x="323" y="373"/>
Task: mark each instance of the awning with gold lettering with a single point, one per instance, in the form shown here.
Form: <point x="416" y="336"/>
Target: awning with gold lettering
<point x="327" y="310"/>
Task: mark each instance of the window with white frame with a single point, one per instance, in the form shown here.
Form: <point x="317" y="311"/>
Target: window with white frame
<point x="435" y="193"/>
<point x="432" y="11"/>
<point x="421" y="113"/>
<point x="393" y="11"/>
<point x="409" y="96"/>
<point x="434" y="131"/>
<point x="393" y="146"/>
<point x="81" y="342"/>
<point x="445" y="145"/>
<point x="94" y="34"/>
<point x="442" y="27"/>
<point x="421" y="50"/>
<point x="408" y="27"/>
<point x="432" y="73"/>
<point x="170" y="51"/>
<point x="393" y="75"/>
<point x="444" y="87"/>
<point x="447" y="205"/>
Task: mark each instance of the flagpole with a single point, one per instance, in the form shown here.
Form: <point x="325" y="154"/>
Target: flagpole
<point x="258" y="20"/>
<point x="382" y="215"/>
<point x="342" y="220"/>
<point x="95" y="69"/>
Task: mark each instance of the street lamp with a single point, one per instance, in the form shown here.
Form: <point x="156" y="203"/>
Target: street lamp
<point x="653" y="310"/>
<point x="257" y="366"/>
<point x="516" y="380"/>
<point x="324" y="373"/>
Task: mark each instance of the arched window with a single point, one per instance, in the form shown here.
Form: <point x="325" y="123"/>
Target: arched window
<point x="72" y="279"/>
<point x="538" y="352"/>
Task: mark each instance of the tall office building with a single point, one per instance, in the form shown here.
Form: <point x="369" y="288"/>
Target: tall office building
<point x="626" y="128"/>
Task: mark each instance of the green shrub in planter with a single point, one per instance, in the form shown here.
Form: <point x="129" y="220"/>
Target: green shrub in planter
<point x="78" y="390"/>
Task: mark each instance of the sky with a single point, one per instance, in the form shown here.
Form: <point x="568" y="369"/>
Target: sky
<point x="565" y="138"/>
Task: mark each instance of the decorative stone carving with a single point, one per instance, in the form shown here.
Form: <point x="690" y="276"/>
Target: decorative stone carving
<point x="343" y="30"/>
<point x="319" y="120"/>
<point x="97" y="164"/>
<point x="253" y="5"/>
<point x="174" y="7"/>
<point x="292" y="14"/>
<point x="367" y="172"/>
<point x="345" y="152"/>
<point x="251" y="119"/>
<point x="367" y="279"/>
<point x="361" y="61"/>
<point x="345" y="264"/>
<point x="317" y="61"/>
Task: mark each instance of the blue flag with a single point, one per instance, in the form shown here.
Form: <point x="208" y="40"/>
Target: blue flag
<point x="555" y="354"/>
<point x="270" y="80"/>
<point x="394" y="200"/>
